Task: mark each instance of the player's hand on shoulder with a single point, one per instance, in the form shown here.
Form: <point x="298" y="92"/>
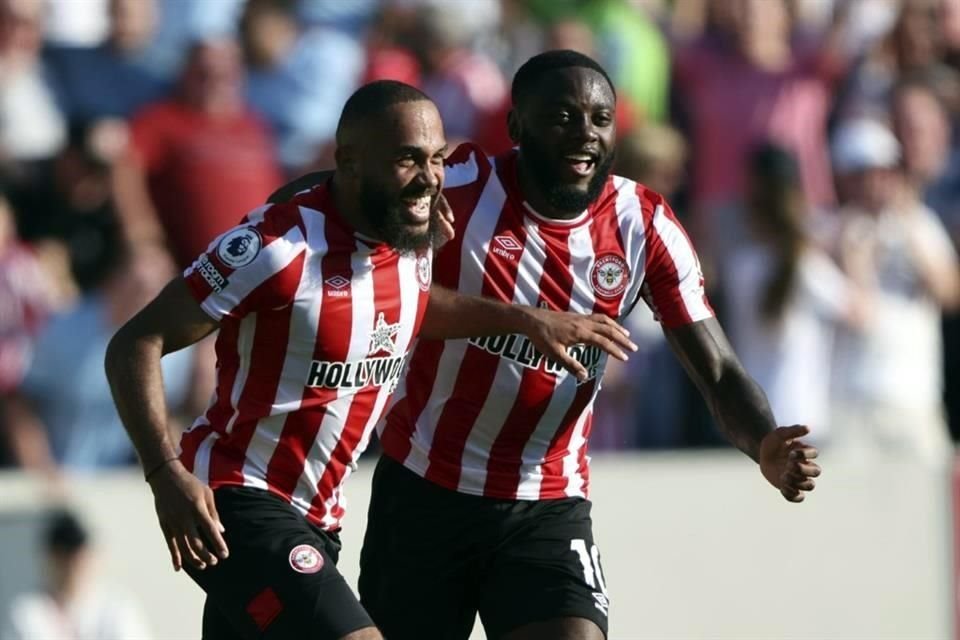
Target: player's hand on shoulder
<point x="188" y="517"/>
<point x="787" y="462"/>
<point x="551" y="332"/>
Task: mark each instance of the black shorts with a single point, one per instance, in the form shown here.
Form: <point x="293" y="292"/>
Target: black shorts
<point x="433" y="559"/>
<point x="280" y="579"/>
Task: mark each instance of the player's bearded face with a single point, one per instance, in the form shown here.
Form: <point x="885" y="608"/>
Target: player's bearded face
<point x="387" y="211"/>
<point x="544" y="164"/>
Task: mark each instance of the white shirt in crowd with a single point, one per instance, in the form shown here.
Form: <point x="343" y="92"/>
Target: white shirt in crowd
<point x="889" y="375"/>
<point x="789" y="357"/>
<point x="95" y="615"/>
<point x="896" y="359"/>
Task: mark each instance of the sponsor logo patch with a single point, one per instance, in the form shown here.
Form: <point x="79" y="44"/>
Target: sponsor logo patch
<point x="423" y="272"/>
<point x="305" y="558"/>
<point x="506" y="247"/>
<point x="239" y="247"/>
<point x="383" y="336"/>
<point x="337" y="286"/>
<point x="211" y="274"/>
<point x="374" y="370"/>
<point x="609" y="276"/>
<point x="519" y="349"/>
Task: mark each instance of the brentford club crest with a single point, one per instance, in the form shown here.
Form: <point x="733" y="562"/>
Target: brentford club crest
<point x="305" y="559"/>
<point x="609" y="276"/>
<point x="423" y="272"/>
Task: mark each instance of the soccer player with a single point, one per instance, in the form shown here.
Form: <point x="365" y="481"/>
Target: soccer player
<point x="479" y="502"/>
<point x="317" y="302"/>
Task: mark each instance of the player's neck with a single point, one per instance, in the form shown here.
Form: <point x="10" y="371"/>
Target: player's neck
<point x="347" y="204"/>
<point x="537" y="200"/>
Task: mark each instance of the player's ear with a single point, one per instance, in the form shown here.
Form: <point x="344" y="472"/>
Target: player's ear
<point x="513" y="125"/>
<point x="347" y="161"/>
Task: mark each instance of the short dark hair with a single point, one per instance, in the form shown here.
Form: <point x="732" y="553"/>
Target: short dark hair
<point x="373" y="98"/>
<point x="536" y="67"/>
<point x="65" y="533"/>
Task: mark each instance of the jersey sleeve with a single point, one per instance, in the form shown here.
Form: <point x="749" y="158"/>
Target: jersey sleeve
<point x="673" y="284"/>
<point x="466" y="173"/>
<point x="256" y="265"/>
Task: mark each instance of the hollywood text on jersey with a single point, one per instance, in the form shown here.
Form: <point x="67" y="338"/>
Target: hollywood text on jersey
<point x="519" y="349"/>
<point x="357" y="374"/>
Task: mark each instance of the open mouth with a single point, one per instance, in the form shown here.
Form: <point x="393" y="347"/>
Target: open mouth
<point x="582" y="164"/>
<point x="418" y="209"/>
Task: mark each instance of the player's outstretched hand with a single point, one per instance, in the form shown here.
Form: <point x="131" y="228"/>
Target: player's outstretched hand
<point x="551" y="332"/>
<point x="188" y="517"/>
<point x="787" y="463"/>
<point x="447" y="232"/>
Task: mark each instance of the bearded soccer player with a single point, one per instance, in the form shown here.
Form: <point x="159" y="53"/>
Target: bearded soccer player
<point x="480" y="500"/>
<point x="316" y="301"/>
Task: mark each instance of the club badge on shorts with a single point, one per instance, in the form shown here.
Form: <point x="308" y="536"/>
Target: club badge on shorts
<point x="305" y="558"/>
<point x="239" y="247"/>
<point x="423" y="272"/>
<point x="610" y="275"/>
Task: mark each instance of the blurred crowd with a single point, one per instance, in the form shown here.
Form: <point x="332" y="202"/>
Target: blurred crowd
<point x="809" y="146"/>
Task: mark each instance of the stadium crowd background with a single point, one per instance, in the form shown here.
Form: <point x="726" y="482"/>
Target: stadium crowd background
<point x="809" y="146"/>
<point x="133" y="131"/>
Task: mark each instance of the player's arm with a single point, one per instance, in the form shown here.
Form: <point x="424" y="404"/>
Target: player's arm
<point x="451" y="315"/>
<point x="185" y="507"/>
<point x="740" y="408"/>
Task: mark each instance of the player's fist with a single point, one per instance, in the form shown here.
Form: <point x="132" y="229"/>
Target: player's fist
<point x="787" y="463"/>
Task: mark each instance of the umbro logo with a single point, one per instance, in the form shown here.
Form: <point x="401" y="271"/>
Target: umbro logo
<point x="337" y="286"/>
<point x="507" y="247"/>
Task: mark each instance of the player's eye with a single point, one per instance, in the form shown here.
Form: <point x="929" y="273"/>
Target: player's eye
<point x="603" y="119"/>
<point x="406" y="161"/>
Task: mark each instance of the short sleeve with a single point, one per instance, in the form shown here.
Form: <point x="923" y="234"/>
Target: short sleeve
<point x="673" y="284"/>
<point x="468" y="170"/>
<point x="254" y="266"/>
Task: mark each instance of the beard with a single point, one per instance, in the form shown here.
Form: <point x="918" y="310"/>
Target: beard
<point x="385" y="214"/>
<point x="559" y="195"/>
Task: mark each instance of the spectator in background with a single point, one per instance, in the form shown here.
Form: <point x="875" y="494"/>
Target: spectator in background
<point x="297" y="79"/>
<point x="654" y="156"/>
<point x="182" y="24"/>
<point x="466" y="85"/>
<point x="914" y="47"/>
<point x="888" y="378"/>
<point x="749" y="82"/>
<point x="386" y="56"/>
<point x="629" y="44"/>
<point x="205" y="135"/>
<point x="25" y="301"/>
<point x="72" y="605"/>
<point x="63" y="416"/>
<point x="112" y="79"/>
<point x="32" y="127"/>
<point x="932" y="166"/>
<point x="785" y="297"/>
<point x="77" y="24"/>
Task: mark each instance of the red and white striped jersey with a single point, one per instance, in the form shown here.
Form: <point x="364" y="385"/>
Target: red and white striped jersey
<point x="315" y="324"/>
<point x="489" y="416"/>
